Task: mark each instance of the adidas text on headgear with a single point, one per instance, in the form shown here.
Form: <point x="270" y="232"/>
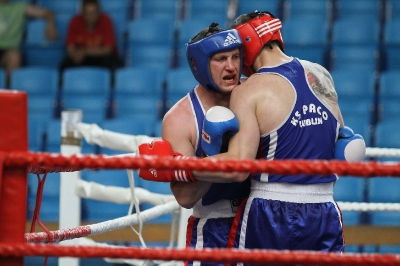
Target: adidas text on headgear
<point x="256" y="30"/>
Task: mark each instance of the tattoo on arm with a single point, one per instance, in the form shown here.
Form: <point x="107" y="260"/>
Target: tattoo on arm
<point x="321" y="83"/>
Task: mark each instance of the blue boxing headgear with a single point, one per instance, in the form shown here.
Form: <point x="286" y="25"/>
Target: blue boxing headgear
<point x="198" y="53"/>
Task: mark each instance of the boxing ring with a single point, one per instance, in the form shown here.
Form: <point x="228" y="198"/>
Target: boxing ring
<point x="16" y="162"/>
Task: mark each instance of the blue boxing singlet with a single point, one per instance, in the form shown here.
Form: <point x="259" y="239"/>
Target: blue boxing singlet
<point x="309" y="132"/>
<point x="211" y="221"/>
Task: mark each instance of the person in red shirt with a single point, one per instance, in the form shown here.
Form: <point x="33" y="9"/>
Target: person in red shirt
<point x="91" y="40"/>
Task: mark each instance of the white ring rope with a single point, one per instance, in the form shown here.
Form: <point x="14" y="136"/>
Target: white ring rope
<point x="133" y="219"/>
<point x="119" y="195"/>
<point x="369" y="206"/>
<point x="382" y="152"/>
<point x="102" y="227"/>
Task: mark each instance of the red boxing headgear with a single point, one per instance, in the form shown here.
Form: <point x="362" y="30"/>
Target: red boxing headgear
<point x="255" y="33"/>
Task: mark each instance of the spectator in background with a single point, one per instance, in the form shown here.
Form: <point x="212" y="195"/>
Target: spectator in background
<point x="91" y="40"/>
<point x="12" y="27"/>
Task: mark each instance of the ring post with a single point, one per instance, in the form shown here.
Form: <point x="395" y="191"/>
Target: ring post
<point x="70" y="203"/>
<point x="13" y="181"/>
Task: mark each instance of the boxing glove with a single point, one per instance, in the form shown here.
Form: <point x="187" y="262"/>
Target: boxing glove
<point x="219" y="125"/>
<point x="162" y="148"/>
<point x="349" y="147"/>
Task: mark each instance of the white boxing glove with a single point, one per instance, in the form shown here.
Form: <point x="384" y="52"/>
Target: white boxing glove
<point x="349" y="147"/>
<point x="219" y="125"/>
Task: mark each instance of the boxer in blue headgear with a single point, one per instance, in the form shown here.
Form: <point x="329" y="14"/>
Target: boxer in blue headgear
<point x="203" y="46"/>
<point x="214" y="56"/>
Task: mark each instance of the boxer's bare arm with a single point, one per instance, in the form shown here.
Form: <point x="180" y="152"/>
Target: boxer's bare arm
<point x="180" y="130"/>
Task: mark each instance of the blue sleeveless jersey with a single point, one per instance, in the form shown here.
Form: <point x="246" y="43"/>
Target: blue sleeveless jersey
<point x="309" y="132"/>
<point x="217" y="191"/>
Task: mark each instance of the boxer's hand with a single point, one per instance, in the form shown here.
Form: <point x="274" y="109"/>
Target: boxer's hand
<point x="162" y="148"/>
<point x="349" y="146"/>
<point x="219" y="125"/>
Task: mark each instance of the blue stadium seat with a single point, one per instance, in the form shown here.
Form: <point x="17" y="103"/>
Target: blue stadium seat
<point x="308" y="9"/>
<point x="138" y="81"/>
<point x="100" y="211"/>
<point x="161" y="188"/>
<point x="349" y="189"/>
<point x="38" y="51"/>
<point x="355" y="92"/>
<point x="186" y="31"/>
<point x="180" y="81"/>
<point x="391" y="44"/>
<point x="155" y="56"/>
<point x="94" y="108"/>
<point x="134" y="105"/>
<point x="359" y="9"/>
<point x="355" y="58"/>
<point x="355" y="43"/>
<point x="350" y="218"/>
<point x="41" y="85"/>
<point x="87" y="88"/>
<point x="386" y="133"/>
<point x="119" y="12"/>
<point x="133" y="84"/>
<point x="62" y="23"/>
<point x="150" y="42"/>
<point x="384" y="189"/>
<point x="61" y="7"/>
<point x="306" y="39"/>
<point x="35" y="80"/>
<point x="359" y="123"/>
<point x="390" y="249"/>
<point x="53" y="136"/>
<point x="272" y="6"/>
<point x="157" y="132"/>
<point x="41" y="107"/>
<point x="151" y="31"/>
<point x="165" y="9"/>
<point x="382" y="218"/>
<point x="209" y="10"/>
<point x="120" y="6"/>
<point x="353" y="84"/>
<point x="389" y="84"/>
<point x="120" y="21"/>
<point x="128" y="125"/>
<point x="36" y="133"/>
<point x="86" y="81"/>
<point x="2" y="79"/>
<point x="392" y="10"/>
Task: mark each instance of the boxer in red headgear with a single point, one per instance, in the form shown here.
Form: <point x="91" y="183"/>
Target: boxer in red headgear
<point x="287" y="109"/>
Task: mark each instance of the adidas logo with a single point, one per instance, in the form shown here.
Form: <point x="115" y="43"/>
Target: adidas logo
<point x="153" y="172"/>
<point x="230" y="39"/>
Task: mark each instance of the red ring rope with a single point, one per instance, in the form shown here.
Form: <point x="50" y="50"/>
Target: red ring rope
<point x="206" y="255"/>
<point x="41" y="162"/>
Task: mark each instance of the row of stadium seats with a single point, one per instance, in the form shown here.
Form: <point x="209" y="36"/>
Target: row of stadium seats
<point x="321" y="31"/>
<point x="147" y="93"/>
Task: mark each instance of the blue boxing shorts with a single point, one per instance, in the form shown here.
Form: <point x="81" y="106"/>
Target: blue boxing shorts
<point x="284" y="216"/>
<point x="209" y="227"/>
